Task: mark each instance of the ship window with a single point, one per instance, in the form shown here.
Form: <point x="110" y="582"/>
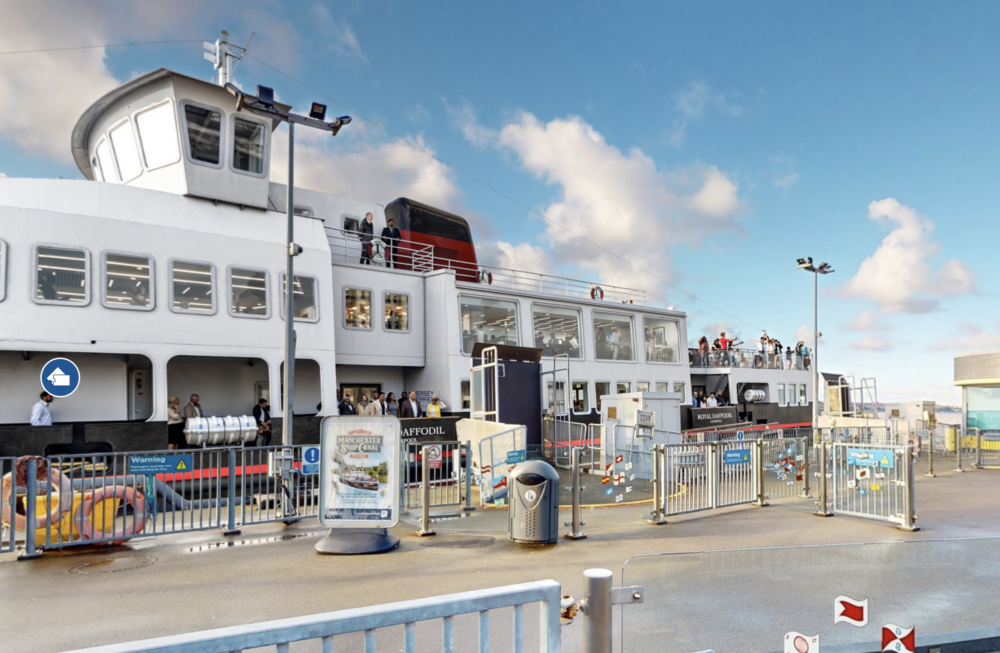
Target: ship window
<point x="679" y="389"/>
<point x="622" y="387"/>
<point x="304" y="211"/>
<point x="642" y="386"/>
<point x="397" y="312"/>
<point x="128" y="281"/>
<point x="803" y="400"/>
<point x="204" y="130"/>
<point x="557" y="330"/>
<point x="191" y="285"/>
<point x="489" y="321"/>
<point x="661" y="340"/>
<point x="158" y="135"/>
<point x="613" y="337"/>
<point x="781" y="394"/>
<point x="581" y="397"/>
<point x="62" y="276"/>
<point x="601" y="389"/>
<point x="107" y="163"/>
<point x="351" y="223"/>
<point x="126" y="153"/>
<point x="248" y="292"/>
<point x="3" y="270"/>
<point x="466" y="394"/>
<point x="357" y="308"/>
<point x="662" y="386"/>
<point x="98" y="174"/>
<point x="249" y="138"/>
<point x="304" y="306"/>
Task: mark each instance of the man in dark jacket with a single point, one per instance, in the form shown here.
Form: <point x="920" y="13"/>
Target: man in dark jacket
<point x="391" y="236"/>
<point x="346" y="407"/>
<point x="410" y="407"/>
<point x="366" y="232"/>
<point x="262" y="414"/>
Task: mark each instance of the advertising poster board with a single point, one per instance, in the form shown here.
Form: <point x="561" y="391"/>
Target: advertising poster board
<point x="359" y="472"/>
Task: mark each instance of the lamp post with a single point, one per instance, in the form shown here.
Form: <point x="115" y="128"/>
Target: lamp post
<point x="263" y="105"/>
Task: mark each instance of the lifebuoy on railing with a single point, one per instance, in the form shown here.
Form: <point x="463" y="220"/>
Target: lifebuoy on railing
<point x="597" y="293"/>
<point x="58" y="505"/>
<point x="83" y="518"/>
<point x="485" y="276"/>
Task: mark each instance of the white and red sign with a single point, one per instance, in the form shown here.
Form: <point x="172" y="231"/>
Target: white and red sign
<point x="898" y="640"/>
<point x="434" y="456"/>
<point x="850" y="611"/>
<point x="799" y="643"/>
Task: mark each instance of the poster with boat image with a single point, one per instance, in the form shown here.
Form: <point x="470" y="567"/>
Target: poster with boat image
<point x="359" y="472"/>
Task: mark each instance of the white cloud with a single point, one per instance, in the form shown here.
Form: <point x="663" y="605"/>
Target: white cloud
<point x="523" y="256"/>
<point x="463" y="117"/>
<point x="338" y="37"/>
<point x="617" y="199"/>
<point x="970" y="337"/>
<point x="417" y="114"/>
<point x="872" y="343"/>
<point x="693" y="104"/>
<point x="867" y="321"/>
<point x="783" y="173"/>
<point x="2" y="176"/>
<point x="898" y="276"/>
<point x="786" y="181"/>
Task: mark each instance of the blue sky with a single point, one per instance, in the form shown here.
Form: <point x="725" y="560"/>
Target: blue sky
<point x="710" y="143"/>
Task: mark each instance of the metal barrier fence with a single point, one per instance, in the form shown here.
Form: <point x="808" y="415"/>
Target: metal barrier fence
<point x="497" y="454"/>
<point x="322" y="628"/>
<point x="874" y="481"/>
<point x="446" y="473"/>
<point x="9" y="504"/>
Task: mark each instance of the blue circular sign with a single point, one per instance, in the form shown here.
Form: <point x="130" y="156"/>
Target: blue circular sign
<point x="739" y="435"/>
<point x="312" y="455"/>
<point x="60" y="377"/>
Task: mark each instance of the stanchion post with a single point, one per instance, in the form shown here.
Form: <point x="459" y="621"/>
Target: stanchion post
<point x="958" y="449"/>
<point x="979" y="450"/>
<point x="30" y="520"/>
<point x="425" y="493"/>
<point x="823" y="508"/>
<point x="759" y="469"/>
<point x="468" y="476"/>
<point x="231" y="496"/>
<point x="805" y="467"/>
<point x="930" y="455"/>
<point x="575" y="532"/>
<point x="909" y="498"/>
<point x="597" y="615"/>
<point x="657" y="518"/>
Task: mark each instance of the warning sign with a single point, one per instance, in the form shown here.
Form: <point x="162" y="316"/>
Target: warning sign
<point x="434" y="456"/>
<point x="159" y="464"/>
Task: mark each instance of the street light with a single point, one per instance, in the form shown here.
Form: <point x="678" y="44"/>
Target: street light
<point x="263" y="105"/>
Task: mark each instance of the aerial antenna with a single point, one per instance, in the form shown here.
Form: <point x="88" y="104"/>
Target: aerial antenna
<point x="222" y="53"/>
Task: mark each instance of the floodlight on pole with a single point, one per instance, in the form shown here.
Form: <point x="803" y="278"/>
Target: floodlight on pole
<point x="823" y="268"/>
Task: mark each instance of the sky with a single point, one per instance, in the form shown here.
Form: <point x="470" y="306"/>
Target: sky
<point x="694" y="150"/>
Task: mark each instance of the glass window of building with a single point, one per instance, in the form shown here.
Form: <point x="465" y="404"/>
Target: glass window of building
<point x="128" y="282"/>
<point x="107" y="162"/>
<point x="466" y="394"/>
<point x="803" y="400"/>
<point x="601" y="389"/>
<point x="622" y="387"/>
<point x="158" y="135"/>
<point x="581" y="397"/>
<point x="662" y="386"/>
<point x="126" y="151"/>
<point x="248" y="293"/>
<point x="489" y="321"/>
<point x="781" y="394"/>
<point x="982" y="408"/>
<point x="613" y="337"/>
<point x="357" y="308"/>
<point x="305" y="307"/>
<point x="248" y="145"/>
<point x="397" y="313"/>
<point x="642" y="386"/>
<point x="62" y="276"/>
<point x="557" y="330"/>
<point x="679" y="388"/>
<point x="661" y="340"/>
<point x="191" y="287"/>
<point x="204" y="132"/>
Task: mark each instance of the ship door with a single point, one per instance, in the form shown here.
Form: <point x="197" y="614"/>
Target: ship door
<point x="140" y="394"/>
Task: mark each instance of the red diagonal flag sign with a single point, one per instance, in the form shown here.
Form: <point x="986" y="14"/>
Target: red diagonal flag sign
<point x="853" y="612"/>
<point x="898" y="640"/>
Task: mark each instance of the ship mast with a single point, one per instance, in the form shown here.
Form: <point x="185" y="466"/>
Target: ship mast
<point x="222" y="54"/>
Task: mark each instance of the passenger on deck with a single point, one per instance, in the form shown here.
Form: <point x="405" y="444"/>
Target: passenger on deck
<point x="262" y="415"/>
<point x="193" y="408"/>
<point x="365" y="407"/>
<point x="366" y="232"/>
<point x="346" y="407"/>
<point x="391" y="236"/>
<point x="392" y="408"/>
<point x="711" y="401"/>
<point x="434" y="410"/>
<point x="383" y="408"/>
<point x="410" y="407"/>
<point x="40" y="415"/>
<point x="175" y="423"/>
<point x="616" y="343"/>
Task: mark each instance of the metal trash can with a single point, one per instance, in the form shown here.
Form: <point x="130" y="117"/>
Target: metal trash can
<point x="533" y="503"/>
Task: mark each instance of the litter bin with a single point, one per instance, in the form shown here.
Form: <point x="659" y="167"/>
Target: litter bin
<point x="533" y="503"/>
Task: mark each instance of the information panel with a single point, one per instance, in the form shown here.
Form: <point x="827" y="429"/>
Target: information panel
<point x="359" y="472"/>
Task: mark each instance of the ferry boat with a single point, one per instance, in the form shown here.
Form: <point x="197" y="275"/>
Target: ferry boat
<point x="162" y="273"/>
<point x="360" y="480"/>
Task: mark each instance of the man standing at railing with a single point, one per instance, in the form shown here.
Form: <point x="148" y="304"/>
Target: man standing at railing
<point x="391" y="236"/>
<point x="366" y="232"/>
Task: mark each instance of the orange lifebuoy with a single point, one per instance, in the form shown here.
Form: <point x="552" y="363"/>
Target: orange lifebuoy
<point x="89" y="531"/>
<point x="57" y="506"/>
<point x="597" y="293"/>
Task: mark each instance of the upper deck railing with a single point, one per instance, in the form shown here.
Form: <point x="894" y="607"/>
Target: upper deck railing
<point x="747" y="358"/>
<point x="346" y="247"/>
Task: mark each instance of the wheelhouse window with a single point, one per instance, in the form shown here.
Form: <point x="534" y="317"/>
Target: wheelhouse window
<point x="357" y="308"/>
<point x="191" y="285"/>
<point x="248" y="293"/>
<point x="613" y="337"/>
<point x="304" y="304"/>
<point x="106" y="161"/>
<point x="661" y="338"/>
<point x="62" y="276"/>
<point x="679" y="389"/>
<point x="126" y="152"/>
<point x="601" y="388"/>
<point x="489" y="321"/>
<point x="249" y="140"/>
<point x="3" y="270"/>
<point x="128" y="282"/>
<point x="581" y="397"/>
<point x="397" y="312"/>
<point x="557" y="330"/>
<point x="204" y="133"/>
<point x="158" y="135"/>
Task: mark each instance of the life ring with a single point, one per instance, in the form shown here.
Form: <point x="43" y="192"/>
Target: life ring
<point x="82" y="519"/>
<point x="59" y="505"/>
<point x="597" y="293"/>
<point x="485" y="276"/>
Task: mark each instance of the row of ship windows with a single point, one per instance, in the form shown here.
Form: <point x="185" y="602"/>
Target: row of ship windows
<point x="580" y="393"/>
<point x="147" y="140"/>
